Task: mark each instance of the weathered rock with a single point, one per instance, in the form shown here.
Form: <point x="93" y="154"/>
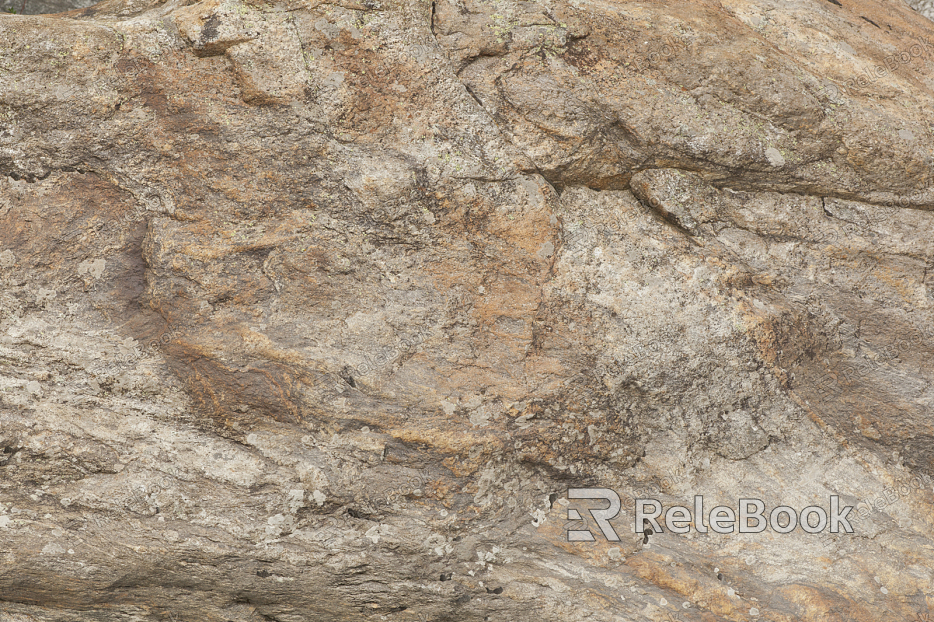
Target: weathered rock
<point x="316" y="311"/>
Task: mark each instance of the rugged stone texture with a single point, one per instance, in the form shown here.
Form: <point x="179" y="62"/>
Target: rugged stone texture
<point x="40" y="7"/>
<point x="924" y="7"/>
<point x="315" y="311"/>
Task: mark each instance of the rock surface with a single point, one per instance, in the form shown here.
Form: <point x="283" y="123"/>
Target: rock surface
<point x="316" y="310"/>
<point x="42" y="7"/>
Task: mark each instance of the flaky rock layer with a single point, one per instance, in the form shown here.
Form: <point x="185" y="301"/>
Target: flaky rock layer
<point x="316" y="311"/>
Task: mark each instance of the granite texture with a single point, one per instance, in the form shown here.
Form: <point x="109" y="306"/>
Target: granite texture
<point x="315" y="311"/>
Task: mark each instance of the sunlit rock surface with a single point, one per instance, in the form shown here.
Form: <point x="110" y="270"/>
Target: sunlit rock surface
<point x="316" y="311"/>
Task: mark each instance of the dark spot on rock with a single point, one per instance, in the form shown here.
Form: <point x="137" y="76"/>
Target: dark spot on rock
<point x="647" y="530"/>
<point x="263" y="574"/>
<point x="552" y="498"/>
<point x="462" y="600"/>
<point x="497" y="590"/>
<point x="446" y="576"/>
<point x="719" y="576"/>
<point x="871" y="22"/>
<point x="209" y="30"/>
<point x="834" y="2"/>
<point x="8" y="452"/>
<point x="260" y="254"/>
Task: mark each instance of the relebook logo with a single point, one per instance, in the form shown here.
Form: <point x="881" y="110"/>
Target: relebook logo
<point x="749" y="517"/>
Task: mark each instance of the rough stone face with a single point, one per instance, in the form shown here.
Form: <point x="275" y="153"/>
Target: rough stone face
<point x="316" y="310"/>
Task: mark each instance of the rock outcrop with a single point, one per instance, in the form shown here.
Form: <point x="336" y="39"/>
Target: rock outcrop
<point x="317" y="310"/>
